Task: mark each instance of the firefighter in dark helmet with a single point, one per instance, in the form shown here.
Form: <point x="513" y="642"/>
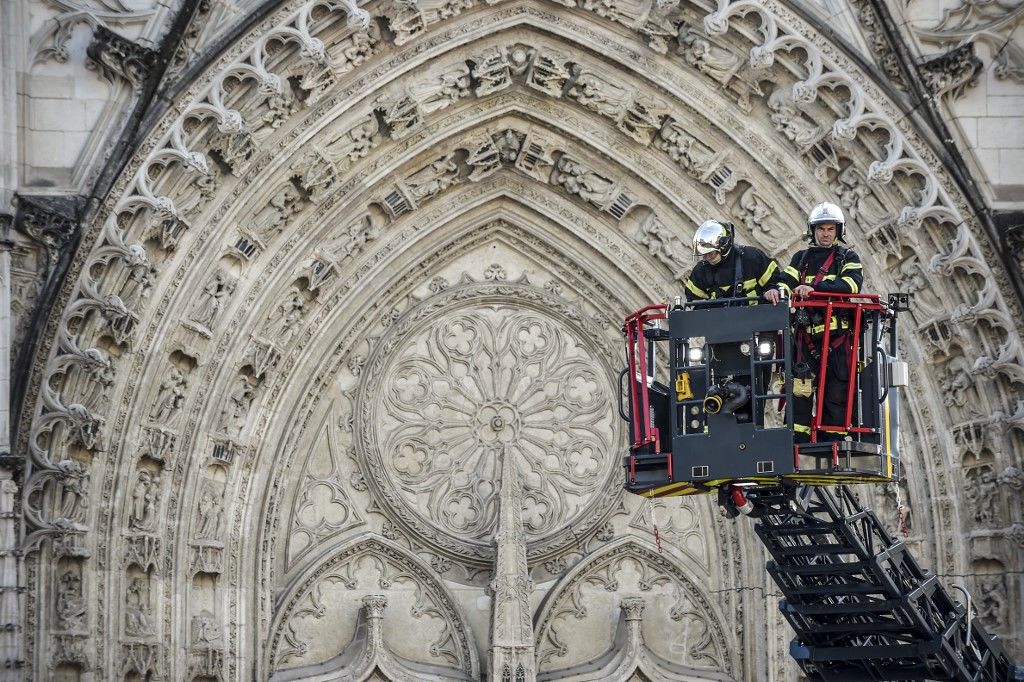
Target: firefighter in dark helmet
<point x="728" y="270"/>
<point x="829" y="267"/>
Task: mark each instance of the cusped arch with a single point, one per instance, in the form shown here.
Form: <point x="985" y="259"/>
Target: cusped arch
<point x="682" y="623"/>
<point x="377" y="571"/>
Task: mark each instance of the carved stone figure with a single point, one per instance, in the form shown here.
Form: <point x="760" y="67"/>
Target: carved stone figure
<point x="170" y="396"/>
<point x="443" y="90"/>
<point x="789" y="121"/>
<point x="283" y="206"/>
<point x="138" y="620"/>
<point x="213" y="299"/>
<point x="142" y="515"/>
<point x="74" y="489"/>
<point x="666" y="246"/>
<point x="438" y="176"/>
<point x="598" y="94"/>
<point x="71" y="606"/>
<point x="990" y="601"/>
<point x="283" y="323"/>
<point x="208" y="515"/>
<point x="753" y="211"/>
<point x="236" y="409"/>
<point x="578" y="179"/>
<point x="206" y="632"/>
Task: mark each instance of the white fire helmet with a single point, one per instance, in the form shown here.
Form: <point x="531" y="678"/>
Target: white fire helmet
<point x="826" y="212"/>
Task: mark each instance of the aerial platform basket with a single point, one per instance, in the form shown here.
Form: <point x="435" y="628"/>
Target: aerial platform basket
<point x="709" y="387"/>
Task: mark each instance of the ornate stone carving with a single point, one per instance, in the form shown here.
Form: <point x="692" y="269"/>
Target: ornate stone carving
<point x="282" y="207"/>
<point x="170" y="397"/>
<point x="141" y="659"/>
<point x="209" y="513"/>
<point x="320" y="169"/>
<point x="323" y="507"/>
<point x="665" y="244"/>
<point x="142" y="551"/>
<point x="369" y="566"/>
<point x="71" y="606"/>
<point x="210" y="305"/>
<point x="73" y="649"/>
<point x="157" y="444"/>
<point x="444" y="376"/>
<point x="142" y="514"/>
<point x="718" y="62"/>
<point x="951" y="72"/>
<point x="138" y="608"/>
<point x="50" y="221"/>
<point x="698" y="639"/>
<point x="117" y="57"/>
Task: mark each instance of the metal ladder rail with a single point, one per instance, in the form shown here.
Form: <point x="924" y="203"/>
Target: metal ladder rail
<point x="887" y="618"/>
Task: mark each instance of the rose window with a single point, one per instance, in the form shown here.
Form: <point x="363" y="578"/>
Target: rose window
<point x="462" y="389"/>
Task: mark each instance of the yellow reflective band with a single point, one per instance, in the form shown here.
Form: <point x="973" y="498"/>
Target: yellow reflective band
<point x="767" y="275"/>
<point x="853" y="284"/>
<point x="800" y="428"/>
<point x="809" y="279"/>
<point x="820" y="329"/>
<point x="749" y="284"/>
<point x="791" y="271"/>
<point x="852" y="266"/>
<point x="828" y="278"/>
<point x="697" y="291"/>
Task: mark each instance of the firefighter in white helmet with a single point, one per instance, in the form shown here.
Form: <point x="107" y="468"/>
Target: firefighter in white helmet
<point x="827" y="266"/>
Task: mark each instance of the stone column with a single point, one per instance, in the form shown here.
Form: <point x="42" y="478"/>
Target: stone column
<point x="512" y="654"/>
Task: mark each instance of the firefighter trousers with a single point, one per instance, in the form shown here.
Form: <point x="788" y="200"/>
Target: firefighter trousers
<point x="837" y="383"/>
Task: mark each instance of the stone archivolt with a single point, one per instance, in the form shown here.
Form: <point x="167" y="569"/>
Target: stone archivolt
<point x="313" y="185"/>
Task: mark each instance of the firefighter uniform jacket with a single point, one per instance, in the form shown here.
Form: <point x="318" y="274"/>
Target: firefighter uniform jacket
<point x="755" y="274"/>
<point x="843" y="276"/>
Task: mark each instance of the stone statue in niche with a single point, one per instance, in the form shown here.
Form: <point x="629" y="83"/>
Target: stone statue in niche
<point x="170" y="396"/>
<point x="74" y="483"/>
<point x="137" y="609"/>
<point x="665" y="246"/>
<point x="70" y="605"/>
<point x="281" y="208"/>
<point x="989" y="601"/>
<point x="208" y="514"/>
<point x="752" y="210"/>
<point x="956" y="383"/>
<point x="599" y="95"/>
<point x="696" y="50"/>
<point x="144" y="499"/>
<point x="491" y="71"/>
<point x="205" y="630"/>
<point x="236" y="410"/>
<point x="213" y="299"/>
<point x="284" y="322"/>
<point x="356" y="48"/>
<point x="438" y="176"/>
<point x="789" y="121"/>
<point x="980" y="491"/>
<point x="443" y="90"/>
<point x="577" y="179"/>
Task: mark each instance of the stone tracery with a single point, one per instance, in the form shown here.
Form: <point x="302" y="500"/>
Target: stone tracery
<point x="111" y="310"/>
